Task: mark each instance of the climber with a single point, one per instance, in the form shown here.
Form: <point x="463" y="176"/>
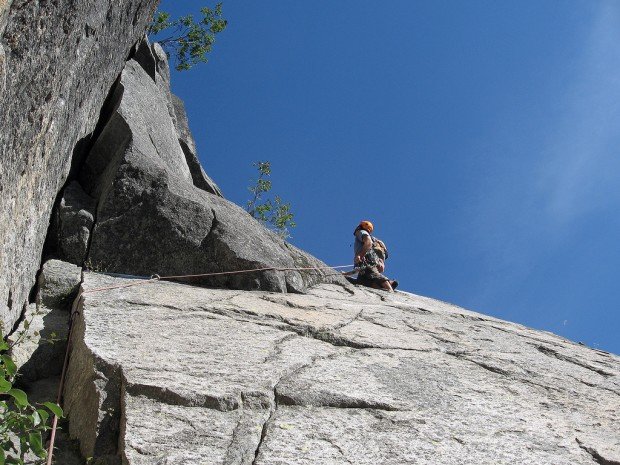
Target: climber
<point x="370" y="256"/>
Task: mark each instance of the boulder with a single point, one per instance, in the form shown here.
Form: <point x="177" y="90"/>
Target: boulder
<point x="58" y="61"/>
<point x="73" y="221"/>
<point x="59" y="283"/>
<point x="167" y="373"/>
<point x="43" y="331"/>
<point x="153" y="219"/>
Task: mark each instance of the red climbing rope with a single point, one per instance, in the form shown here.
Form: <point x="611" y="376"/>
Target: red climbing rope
<point x="219" y="273"/>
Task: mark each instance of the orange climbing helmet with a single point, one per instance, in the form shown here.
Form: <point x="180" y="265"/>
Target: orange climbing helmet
<point x="366" y="226"/>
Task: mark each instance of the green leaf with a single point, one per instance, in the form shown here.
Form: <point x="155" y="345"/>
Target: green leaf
<point x="36" y="418"/>
<point x="5" y="386"/>
<point x="9" y="365"/>
<point x="54" y="408"/>
<point x="43" y="415"/>
<point x="2" y="457"/>
<point x="36" y="443"/>
<point x="21" y="399"/>
<point x="3" y="345"/>
<point x="8" y="446"/>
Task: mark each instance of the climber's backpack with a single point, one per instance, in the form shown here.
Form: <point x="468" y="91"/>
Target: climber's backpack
<point x="379" y="247"/>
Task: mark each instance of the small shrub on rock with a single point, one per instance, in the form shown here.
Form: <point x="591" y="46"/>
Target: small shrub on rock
<point x="22" y="425"/>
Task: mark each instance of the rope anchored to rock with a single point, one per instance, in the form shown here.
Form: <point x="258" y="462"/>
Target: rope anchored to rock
<point x="157" y="277"/>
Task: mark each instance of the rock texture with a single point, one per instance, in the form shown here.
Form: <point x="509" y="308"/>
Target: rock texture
<point x="157" y="215"/>
<point x="44" y="329"/>
<point x="72" y="223"/>
<point x="58" y="61"/>
<point x="171" y="374"/>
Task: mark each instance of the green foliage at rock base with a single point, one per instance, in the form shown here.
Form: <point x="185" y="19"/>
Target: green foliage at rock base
<point x="22" y="425"/>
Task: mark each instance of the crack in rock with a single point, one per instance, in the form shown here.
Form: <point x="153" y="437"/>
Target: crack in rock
<point x="263" y="435"/>
<point x="486" y="366"/>
<point x="598" y="458"/>
<point x="164" y="395"/>
<point x="278" y="347"/>
<point x="594" y="385"/>
<point x="338" y="326"/>
<point x="321" y="334"/>
<point x="555" y="354"/>
<point x="337" y="447"/>
<point x="342" y="403"/>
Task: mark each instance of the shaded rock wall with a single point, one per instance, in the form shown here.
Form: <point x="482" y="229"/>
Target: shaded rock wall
<point x="58" y="61"/>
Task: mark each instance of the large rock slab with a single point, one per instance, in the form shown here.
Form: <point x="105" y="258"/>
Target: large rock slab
<point x="153" y="218"/>
<point x="168" y="373"/>
<point x="58" y="61"/>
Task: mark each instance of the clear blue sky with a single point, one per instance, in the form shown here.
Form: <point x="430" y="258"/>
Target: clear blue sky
<point x="480" y="137"/>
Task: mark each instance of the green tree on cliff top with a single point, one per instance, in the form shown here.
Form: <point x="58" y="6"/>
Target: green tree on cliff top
<point x="188" y="41"/>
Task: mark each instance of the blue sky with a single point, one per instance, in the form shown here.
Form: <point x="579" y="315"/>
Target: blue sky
<point x="480" y="137"/>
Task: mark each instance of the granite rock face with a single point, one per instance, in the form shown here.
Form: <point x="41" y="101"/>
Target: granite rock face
<point x="154" y="218"/>
<point x="167" y="373"/>
<point x="58" y="61"/>
<point x="154" y="61"/>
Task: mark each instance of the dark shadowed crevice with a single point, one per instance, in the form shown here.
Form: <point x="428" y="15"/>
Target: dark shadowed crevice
<point x="198" y="175"/>
<point x="80" y="152"/>
<point x="19" y="320"/>
<point x="84" y="145"/>
<point x="141" y="52"/>
<point x="263" y="435"/>
<point x="9" y="302"/>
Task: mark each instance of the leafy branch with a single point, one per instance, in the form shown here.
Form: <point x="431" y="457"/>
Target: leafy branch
<point x="273" y="213"/>
<point x="19" y="420"/>
<point x="188" y="41"/>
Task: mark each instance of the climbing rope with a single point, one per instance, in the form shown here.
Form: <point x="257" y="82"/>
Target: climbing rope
<point x="63" y="375"/>
<point x="156" y="277"/>
<point x="138" y="282"/>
